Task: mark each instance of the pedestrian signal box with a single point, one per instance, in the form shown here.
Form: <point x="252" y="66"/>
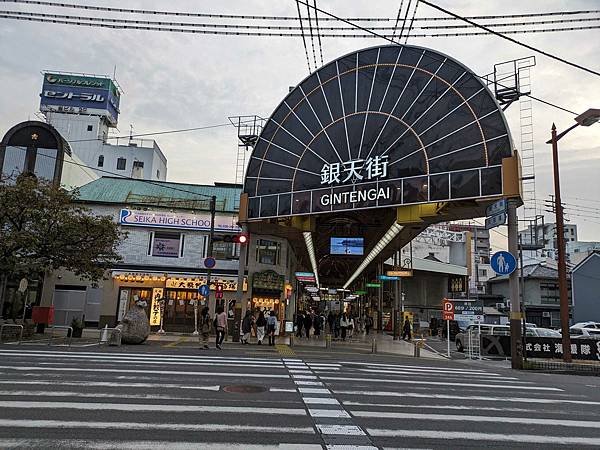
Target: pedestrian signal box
<point x="219" y="290"/>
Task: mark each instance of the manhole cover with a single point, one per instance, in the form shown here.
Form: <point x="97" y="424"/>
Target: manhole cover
<point x="244" y="389"/>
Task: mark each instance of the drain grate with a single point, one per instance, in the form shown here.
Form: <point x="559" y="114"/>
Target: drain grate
<point x="244" y="389"/>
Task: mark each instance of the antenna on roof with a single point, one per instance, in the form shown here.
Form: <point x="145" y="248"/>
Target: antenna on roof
<point x="130" y="132"/>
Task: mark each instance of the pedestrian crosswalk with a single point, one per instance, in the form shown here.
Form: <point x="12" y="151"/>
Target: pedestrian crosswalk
<point x="179" y="400"/>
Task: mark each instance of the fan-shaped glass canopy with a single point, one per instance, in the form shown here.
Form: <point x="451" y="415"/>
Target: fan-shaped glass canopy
<point x="384" y="126"/>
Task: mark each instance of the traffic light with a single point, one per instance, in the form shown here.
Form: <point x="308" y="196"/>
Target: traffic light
<point x="241" y="238"/>
<point x="219" y="290"/>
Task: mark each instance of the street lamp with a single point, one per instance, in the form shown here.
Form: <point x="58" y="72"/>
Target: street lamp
<point x="590" y="117"/>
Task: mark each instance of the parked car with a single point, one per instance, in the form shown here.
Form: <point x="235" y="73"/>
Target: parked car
<point x="542" y="332"/>
<point x="462" y="339"/>
<point x="585" y="330"/>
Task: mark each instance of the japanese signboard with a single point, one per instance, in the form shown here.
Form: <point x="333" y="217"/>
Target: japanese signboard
<point x="540" y="347"/>
<point x="268" y="280"/>
<point x="176" y="220"/>
<point x="229" y="283"/>
<point x="457" y="283"/>
<point x="155" y="310"/>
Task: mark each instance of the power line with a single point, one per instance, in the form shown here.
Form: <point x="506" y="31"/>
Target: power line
<point x="412" y="21"/>
<point x="404" y="20"/>
<point x="514" y="41"/>
<point x="318" y="32"/>
<point x="397" y="19"/>
<point x="303" y="36"/>
<point x="282" y="18"/>
<point x="234" y="30"/>
<point x="312" y="38"/>
<point x="265" y="27"/>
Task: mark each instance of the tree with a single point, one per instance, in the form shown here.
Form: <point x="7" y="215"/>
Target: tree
<point x="43" y="228"/>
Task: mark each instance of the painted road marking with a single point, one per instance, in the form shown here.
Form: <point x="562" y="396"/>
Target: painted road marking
<point x="348" y="430"/>
<point x="147" y="445"/>
<point x="320" y="401"/>
<point x="160" y="372"/>
<point x="337" y="413"/>
<point x="467" y="418"/>
<point x="471" y="436"/>
<point x="443" y="383"/>
<point x="468" y="398"/>
<point x="132" y="425"/>
<point x="46" y="382"/>
<point x="153" y="407"/>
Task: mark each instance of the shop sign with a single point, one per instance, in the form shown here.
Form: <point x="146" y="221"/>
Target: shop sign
<point x="467" y="308"/>
<point x="400" y="273"/>
<point x="308" y="277"/>
<point x="175" y="220"/>
<point x="360" y="292"/>
<point x="229" y="283"/>
<point x="355" y="170"/>
<point x="155" y="311"/>
<point x="123" y="301"/>
<point x="268" y="280"/>
<point x="373" y="285"/>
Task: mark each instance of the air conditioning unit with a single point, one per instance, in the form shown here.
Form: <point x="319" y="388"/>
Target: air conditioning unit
<point x="546" y="314"/>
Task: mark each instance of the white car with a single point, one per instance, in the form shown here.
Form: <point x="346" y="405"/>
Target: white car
<point x="589" y="330"/>
<point x="542" y="332"/>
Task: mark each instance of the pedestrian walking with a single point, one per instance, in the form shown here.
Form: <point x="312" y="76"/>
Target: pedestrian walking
<point x="368" y="323"/>
<point x="299" y="324"/>
<point x="246" y="327"/>
<point x="271" y="326"/>
<point x="331" y="321"/>
<point x="308" y="322"/>
<point x="317" y="324"/>
<point x="344" y="325"/>
<point x="220" y="323"/>
<point x="204" y="326"/>
<point x="350" y="326"/>
<point x="406" y="330"/>
<point x="261" y="323"/>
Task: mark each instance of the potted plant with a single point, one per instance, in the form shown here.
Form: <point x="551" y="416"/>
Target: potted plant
<point x="77" y="326"/>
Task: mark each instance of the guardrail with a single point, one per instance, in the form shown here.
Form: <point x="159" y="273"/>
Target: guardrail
<point x="69" y="336"/>
<point x="11" y="325"/>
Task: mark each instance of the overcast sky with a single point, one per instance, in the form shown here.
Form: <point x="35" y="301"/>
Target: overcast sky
<point x="174" y="81"/>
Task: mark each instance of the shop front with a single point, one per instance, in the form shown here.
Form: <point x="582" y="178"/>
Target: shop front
<point x="269" y="293"/>
<point x="178" y="291"/>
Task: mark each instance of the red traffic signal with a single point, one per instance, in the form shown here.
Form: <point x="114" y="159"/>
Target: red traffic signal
<point x="219" y="290"/>
<point x="241" y="238"/>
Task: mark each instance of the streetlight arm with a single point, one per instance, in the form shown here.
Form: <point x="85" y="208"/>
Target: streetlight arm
<point x="561" y="135"/>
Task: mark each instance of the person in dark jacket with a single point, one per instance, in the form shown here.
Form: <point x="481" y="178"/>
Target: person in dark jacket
<point x="299" y="323"/>
<point x="406" y="330"/>
<point x="261" y="323"/>
<point x="308" y="322"/>
<point x="246" y="327"/>
<point x="331" y="321"/>
<point x="317" y="324"/>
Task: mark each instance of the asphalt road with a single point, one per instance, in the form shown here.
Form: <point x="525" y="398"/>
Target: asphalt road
<point x="151" y="397"/>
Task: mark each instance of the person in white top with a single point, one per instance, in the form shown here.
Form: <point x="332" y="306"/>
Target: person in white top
<point x="344" y="325"/>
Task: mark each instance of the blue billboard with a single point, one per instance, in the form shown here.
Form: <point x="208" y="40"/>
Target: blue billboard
<point x="76" y="94"/>
<point x="347" y="246"/>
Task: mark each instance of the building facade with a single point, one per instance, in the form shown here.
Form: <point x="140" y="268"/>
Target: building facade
<point x="585" y="279"/>
<point x="541" y="298"/>
<point x="163" y="258"/>
<point x="84" y="108"/>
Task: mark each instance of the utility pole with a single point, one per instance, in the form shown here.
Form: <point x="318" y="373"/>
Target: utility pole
<point x="239" y="295"/>
<point x="513" y="283"/>
<point x="397" y="320"/>
<point x="562" y="266"/>
<point x="211" y="236"/>
<point x="380" y="298"/>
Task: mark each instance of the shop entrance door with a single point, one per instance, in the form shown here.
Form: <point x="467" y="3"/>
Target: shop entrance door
<point x="179" y="310"/>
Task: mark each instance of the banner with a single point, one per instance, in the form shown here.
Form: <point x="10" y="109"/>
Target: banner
<point x="175" y="220"/>
<point x="155" y="312"/>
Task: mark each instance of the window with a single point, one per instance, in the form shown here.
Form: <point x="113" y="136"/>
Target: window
<point x="139" y="164"/>
<point x="158" y="174"/>
<point x="101" y="161"/>
<point x="121" y="163"/>
<point x="90" y="128"/>
<point x="167" y="245"/>
<point x="225" y="250"/>
<point x="268" y="252"/>
<point x="483" y="272"/>
<point x="572" y="231"/>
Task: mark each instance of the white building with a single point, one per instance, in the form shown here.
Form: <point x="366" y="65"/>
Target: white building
<point x="578" y="251"/>
<point x="546" y="234"/>
<point x="83" y="108"/>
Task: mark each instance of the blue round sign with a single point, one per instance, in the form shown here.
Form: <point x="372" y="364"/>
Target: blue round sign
<point x="204" y="290"/>
<point x="503" y="263"/>
<point x="210" y="262"/>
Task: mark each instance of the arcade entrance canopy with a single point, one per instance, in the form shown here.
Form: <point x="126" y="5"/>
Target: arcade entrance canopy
<point x="378" y="145"/>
